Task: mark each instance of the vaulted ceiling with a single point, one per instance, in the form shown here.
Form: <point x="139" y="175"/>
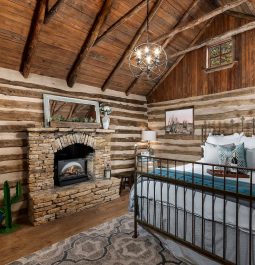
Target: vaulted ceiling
<point x="89" y="41"/>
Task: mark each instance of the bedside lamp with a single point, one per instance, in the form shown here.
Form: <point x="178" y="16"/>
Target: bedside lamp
<point x="149" y="136"/>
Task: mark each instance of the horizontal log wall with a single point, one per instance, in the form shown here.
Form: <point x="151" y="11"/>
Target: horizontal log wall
<point x="21" y="106"/>
<point x="216" y="110"/>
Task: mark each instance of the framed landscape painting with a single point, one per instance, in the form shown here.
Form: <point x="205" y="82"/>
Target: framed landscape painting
<point x="180" y="121"/>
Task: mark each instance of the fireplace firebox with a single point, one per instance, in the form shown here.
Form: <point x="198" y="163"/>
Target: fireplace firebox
<point x="71" y="164"/>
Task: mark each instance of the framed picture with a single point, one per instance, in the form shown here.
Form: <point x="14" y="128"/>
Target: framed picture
<point x="180" y="121"/>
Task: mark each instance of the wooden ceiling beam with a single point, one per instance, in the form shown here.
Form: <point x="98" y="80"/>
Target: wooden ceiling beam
<point x="251" y="5"/>
<point x="32" y="38"/>
<point x="122" y="20"/>
<point x="166" y="42"/>
<point x="51" y="13"/>
<point x="89" y="42"/>
<point x="132" y="44"/>
<point x="182" y="20"/>
<point x="224" y="36"/>
<point x="202" y="19"/>
<point x="178" y="60"/>
<point x="241" y="15"/>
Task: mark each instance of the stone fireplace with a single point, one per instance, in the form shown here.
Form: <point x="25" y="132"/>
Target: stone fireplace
<point x="66" y="169"/>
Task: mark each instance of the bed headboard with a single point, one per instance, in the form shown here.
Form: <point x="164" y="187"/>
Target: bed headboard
<point x="234" y="126"/>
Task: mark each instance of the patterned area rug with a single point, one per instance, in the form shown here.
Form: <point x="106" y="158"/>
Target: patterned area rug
<point x="108" y="244"/>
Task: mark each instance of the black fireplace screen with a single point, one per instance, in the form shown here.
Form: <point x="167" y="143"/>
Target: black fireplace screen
<point x="72" y="171"/>
<point x="71" y="164"/>
<point x="71" y="167"/>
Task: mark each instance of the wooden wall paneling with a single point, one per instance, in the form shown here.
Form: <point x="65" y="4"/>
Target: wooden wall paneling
<point x="241" y="15"/>
<point x="241" y="75"/>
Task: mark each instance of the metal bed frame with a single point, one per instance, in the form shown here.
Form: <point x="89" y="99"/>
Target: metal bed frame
<point x="145" y="171"/>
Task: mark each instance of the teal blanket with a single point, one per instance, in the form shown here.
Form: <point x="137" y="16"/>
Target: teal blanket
<point x="244" y="188"/>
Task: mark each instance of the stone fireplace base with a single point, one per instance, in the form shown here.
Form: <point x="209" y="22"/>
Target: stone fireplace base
<point x="55" y="203"/>
<point x="47" y="201"/>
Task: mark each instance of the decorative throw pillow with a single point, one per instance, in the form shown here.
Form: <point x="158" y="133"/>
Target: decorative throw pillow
<point x="211" y="153"/>
<point x="227" y="153"/>
<point x="224" y="156"/>
<point x="239" y="151"/>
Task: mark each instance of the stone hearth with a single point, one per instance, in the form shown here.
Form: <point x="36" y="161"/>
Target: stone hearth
<point x="48" y="202"/>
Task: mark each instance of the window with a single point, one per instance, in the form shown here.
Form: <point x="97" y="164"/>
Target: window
<point x="220" y="54"/>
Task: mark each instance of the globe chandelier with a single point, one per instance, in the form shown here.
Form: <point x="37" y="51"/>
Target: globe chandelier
<point x="148" y="59"/>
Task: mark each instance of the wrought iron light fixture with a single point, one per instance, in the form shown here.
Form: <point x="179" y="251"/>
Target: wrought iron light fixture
<point x="148" y="59"/>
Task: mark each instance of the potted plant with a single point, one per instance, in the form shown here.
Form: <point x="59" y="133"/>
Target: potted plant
<point x="106" y="111"/>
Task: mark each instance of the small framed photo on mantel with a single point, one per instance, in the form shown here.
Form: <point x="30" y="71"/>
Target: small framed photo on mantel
<point x="180" y="121"/>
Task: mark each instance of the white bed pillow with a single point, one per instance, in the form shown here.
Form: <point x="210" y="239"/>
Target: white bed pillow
<point x="224" y="139"/>
<point x="211" y="155"/>
<point x="250" y="158"/>
<point x="249" y="142"/>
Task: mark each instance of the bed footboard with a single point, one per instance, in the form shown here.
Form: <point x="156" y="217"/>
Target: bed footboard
<point x="207" y="208"/>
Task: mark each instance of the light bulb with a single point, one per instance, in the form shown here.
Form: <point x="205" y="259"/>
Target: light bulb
<point x="148" y="59"/>
<point x="146" y="49"/>
<point x="157" y="51"/>
<point x="138" y="54"/>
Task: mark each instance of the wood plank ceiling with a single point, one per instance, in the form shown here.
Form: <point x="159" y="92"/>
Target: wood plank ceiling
<point x="84" y="41"/>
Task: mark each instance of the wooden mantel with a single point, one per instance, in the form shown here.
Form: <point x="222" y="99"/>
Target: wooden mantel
<point x="88" y="130"/>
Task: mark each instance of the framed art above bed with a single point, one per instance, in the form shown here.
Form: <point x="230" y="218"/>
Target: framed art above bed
<point x="180" y="121"/>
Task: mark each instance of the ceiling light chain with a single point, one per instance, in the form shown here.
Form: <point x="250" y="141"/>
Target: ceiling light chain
<point x="148" y="59"/>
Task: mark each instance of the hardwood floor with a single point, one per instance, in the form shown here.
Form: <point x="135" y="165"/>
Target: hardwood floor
<point x="29" y="239"/>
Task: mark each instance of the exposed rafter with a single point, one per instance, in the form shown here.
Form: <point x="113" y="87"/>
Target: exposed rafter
<point x="51" y="13"/>
<point x="241" y="15"/>
<point x="224" y="36"/>
<point x="32" y="38"/>
<point x="166" y="42"/>
<point x="178" y="60"/>
<point x="122" y="20"/>
<point x="132" y="44"/>
<point x="200" y="20"/>
<point x="89" y="42"/>
<point x="251" y="5"/>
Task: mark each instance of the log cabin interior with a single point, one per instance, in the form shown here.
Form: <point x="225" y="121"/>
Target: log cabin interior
<point x="127" y="132"/>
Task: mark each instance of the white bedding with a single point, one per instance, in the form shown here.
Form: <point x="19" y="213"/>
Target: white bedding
<point x="243" y="210"/>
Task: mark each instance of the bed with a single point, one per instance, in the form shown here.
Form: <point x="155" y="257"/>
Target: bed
<point x="210" y="217"/>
